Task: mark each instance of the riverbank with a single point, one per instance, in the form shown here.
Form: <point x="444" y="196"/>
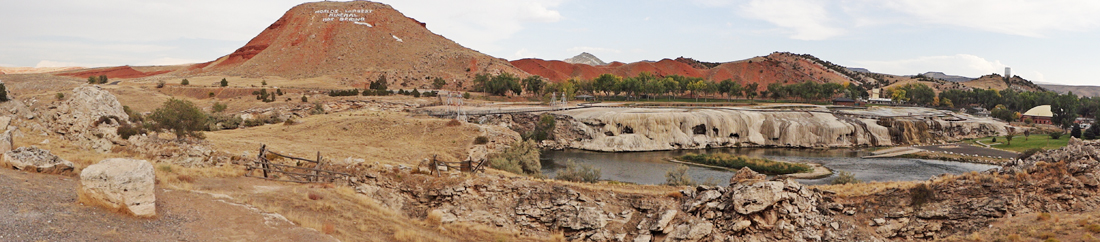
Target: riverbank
<point x="818" y="171"/>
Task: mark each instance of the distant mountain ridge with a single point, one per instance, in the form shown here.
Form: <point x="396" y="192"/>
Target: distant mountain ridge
<point x="1083" y="91"/>
<point x="946" y="77"/>
<point x="585" y="58"/>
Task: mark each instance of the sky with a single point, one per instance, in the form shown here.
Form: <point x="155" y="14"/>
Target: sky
<point x="1047" y="41"/>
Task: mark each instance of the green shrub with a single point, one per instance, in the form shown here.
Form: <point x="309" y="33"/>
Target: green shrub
<point x="677" y="176"/>
<point x="756" y="164"/>
<point x="524" y="154"/>
<point x="185" y="82"/>
<point x="4" y="93"/>
<point x="466" y="95"/>
<point x="219" y="107"/>
<point x="224" y="83"/>
<point x="181" y="117"/>
<point x="304" y="99"/>
<point x="160" y="84"/>
<point x="505" y="165"/>
<point x="134" y="117"/>
<point x="844" y="177"/>
<point x="921" y="194"/>
<point x="225" y="121"/>
<point x="125" y="130"/>
<point x="578" y="173"/>
<point x="543" y="130"/>
<point x="480" y="140"/>
<point x="317" y="109"/>
<point x="60" y="96"/>
<point x="1056" y="135"/>
<point x="415" y="93"/>
<point x="343" y="93"/>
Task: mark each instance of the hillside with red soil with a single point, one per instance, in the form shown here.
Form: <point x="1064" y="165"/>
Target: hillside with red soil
<point x="356" y="41"/>
<point x="777" y="67"/>
<point x="112" y="72"/>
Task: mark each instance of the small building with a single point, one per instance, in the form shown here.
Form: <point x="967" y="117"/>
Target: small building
<point x="844" y="101"/>
<point x="1085" y="123"/>
<point x="1039" y="114"/>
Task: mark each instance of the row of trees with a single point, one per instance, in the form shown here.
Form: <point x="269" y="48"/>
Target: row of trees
<point x="646" y="85"/>
<point x="1066" y="107"/>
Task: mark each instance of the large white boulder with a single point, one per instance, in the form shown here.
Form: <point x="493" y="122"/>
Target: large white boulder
<point x="34" y="159"/>
<point x="123" y="185"/>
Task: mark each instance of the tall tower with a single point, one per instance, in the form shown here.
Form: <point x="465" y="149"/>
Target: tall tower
<point x="1008" y="72"/>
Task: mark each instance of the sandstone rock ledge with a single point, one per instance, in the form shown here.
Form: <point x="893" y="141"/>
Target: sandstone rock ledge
<point x="123" y="185"/>
<point x="648" y="129"/>
<point x="34" y="159"/>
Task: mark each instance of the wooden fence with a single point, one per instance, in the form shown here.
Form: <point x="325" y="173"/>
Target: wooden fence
<point x="465" y="166"/>
<point x="292" y="173"/>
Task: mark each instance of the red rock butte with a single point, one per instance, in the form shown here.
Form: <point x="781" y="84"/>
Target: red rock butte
<point x="774" y="68"/>
<point x="357" y="40"/>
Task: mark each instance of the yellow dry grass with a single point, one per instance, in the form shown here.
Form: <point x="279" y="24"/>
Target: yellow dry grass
<point x="1039" y="227"/>
<point x="387" y="137"/>
<point x="866" y="188"/>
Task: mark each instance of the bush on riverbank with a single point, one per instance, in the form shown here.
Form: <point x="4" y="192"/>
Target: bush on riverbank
<point x="578" y="173"/>
<point x="761" y="165"/>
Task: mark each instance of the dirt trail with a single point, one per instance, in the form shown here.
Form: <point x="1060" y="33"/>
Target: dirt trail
<point x="39" y="207"/>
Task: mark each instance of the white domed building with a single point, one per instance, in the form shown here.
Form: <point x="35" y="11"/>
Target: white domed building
<point x="1039" y="114"/>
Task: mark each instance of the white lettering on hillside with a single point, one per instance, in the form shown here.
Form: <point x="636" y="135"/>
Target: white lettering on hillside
<point x="344" y="15"/>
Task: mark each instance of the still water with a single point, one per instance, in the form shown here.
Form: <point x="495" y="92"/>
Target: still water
<point x="650" y="167"/>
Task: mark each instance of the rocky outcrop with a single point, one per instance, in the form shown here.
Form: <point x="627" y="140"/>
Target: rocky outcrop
<point x="89" y="117"/>
<point x="1062" y="180"/>
<point x="646" y="129"/>
<point x="123" y="185"/>
<point x="187" y="153"/>
<point x="759" y="210"/>
<point x="7" y="141"/>
<point x="751" y="210"/>
<point x="34" y="159"/>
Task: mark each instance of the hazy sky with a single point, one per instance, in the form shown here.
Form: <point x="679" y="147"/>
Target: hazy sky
<point x="1055" y="41"/>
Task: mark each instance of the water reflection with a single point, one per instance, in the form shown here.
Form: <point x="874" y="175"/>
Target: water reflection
<point x="650" y="167"/>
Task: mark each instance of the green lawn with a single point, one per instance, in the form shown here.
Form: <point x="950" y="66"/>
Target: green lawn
<point x="1020" y="145"/>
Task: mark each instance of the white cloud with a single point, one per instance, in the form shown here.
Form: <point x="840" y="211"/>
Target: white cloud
<point x="479" y="24"/>
<point x="807" y="19"/>
<point x="961" y="64"/>
<point x="523" y="53"/>
<point x="1017" y="17"/>
<point x="594" y="50"/>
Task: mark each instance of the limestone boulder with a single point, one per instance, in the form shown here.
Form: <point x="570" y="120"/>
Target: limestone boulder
<point x="35" y="160"/>
<point x="89" y="117"/>
<point x="123" y="185"/>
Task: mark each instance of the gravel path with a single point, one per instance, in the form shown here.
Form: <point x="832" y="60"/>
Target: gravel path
<point x="40" y="207"/>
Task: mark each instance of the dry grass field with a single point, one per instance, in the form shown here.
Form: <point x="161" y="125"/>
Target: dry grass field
<point x="376" y="136"/>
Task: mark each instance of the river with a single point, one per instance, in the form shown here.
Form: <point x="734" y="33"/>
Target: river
<point x="650" y="167"/>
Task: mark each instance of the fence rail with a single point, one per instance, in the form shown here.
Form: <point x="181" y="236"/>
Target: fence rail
<point x="281" y="172"/>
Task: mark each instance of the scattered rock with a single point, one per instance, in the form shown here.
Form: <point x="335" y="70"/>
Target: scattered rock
<point x="36" y="160"/>
<point x="746" y="174"/>
<point x="123" y="185"/>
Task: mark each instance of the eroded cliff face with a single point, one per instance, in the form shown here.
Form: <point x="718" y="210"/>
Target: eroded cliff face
<point x="646" y="129"/>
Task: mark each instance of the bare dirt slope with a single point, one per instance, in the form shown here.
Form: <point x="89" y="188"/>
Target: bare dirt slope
<point x="40" y="207"/>
<point x="1084" y="91"/>
<point x="358" y="40"/>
